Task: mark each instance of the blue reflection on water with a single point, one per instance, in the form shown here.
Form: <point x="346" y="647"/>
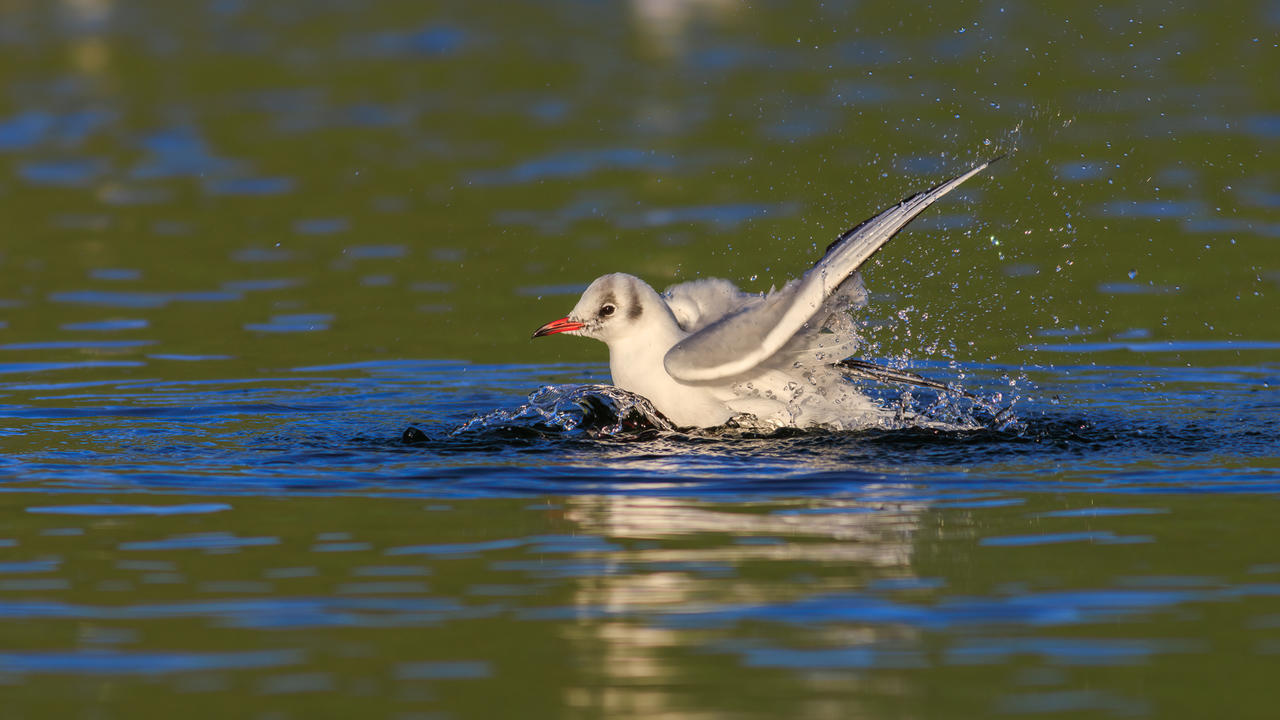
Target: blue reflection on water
<point x="204" y="541"/>
<point x="102" y="662"/>
<point x="119" y="510"/>
<point x="63" y="173"/>
<point x="574" y="164"/>
<point x="107" y="325"/>
<point x="1103" y="537"/>
<point x="139" y="299"/>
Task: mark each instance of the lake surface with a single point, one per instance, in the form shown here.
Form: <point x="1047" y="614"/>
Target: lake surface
<point x="274" y="441"/>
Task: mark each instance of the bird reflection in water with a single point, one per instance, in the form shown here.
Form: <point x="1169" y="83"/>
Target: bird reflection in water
<point x="701" y="558"/>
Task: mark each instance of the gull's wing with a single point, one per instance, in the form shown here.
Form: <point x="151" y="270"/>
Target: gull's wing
<point x="698" y="303"/>
<point x="742" y="340"/>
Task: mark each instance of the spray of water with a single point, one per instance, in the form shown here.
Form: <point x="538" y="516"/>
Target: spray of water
<point x="605" y="411"/>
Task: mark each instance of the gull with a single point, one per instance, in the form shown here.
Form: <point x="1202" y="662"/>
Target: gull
<point x="704" y="352"/>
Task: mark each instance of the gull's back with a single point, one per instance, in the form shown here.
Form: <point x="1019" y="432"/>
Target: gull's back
<point x="699" y="303"/>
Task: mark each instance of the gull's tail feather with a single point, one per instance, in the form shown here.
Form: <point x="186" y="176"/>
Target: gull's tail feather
<point x="855" y="368"/>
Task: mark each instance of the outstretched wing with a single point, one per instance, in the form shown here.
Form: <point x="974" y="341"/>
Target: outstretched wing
<point x="742" y="340"/>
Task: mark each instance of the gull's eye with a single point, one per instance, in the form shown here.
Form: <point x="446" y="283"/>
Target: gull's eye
<point x="607" y="310"/>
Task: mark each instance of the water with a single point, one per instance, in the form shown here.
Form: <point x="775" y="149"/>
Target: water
<point x="268" y="273"/>
<point x="284" y="546"/>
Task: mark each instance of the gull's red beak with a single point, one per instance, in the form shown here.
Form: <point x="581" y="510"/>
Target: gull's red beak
<point x="564" y="324"/>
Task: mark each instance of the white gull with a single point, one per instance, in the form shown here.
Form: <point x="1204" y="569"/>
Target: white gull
<point x="705" y="352"/>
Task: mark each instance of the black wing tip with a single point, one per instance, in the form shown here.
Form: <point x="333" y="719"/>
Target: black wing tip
<point x="851" y="231"/>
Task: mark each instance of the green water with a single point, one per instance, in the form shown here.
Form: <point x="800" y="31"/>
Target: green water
<point x="344" y="626"/>
<point x="243" y="245"/>
<point x="544" y="145"/>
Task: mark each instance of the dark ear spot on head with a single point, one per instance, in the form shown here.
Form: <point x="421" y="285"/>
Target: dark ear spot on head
<point x="634" y="311"/>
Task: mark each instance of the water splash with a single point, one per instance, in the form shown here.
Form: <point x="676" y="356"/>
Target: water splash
<point x="609" y="412"/>
<point x="591" y="410"/>
<point x="956" y="409"/>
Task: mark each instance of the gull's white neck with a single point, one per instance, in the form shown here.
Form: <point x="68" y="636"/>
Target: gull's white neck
<point x="635" y="361"/>
<point x="636" y="364"/>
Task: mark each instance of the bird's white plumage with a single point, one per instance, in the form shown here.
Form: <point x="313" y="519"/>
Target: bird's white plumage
<point x="698" y="303"/>
<point x="705" y="351"/>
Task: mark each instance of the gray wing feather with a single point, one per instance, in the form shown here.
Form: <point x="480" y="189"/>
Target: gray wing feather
<point x="699" y="303"/>
<point x="743" y="340"/>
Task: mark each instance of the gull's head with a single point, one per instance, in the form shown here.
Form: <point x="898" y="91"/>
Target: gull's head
<point x="613" y="307"/>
